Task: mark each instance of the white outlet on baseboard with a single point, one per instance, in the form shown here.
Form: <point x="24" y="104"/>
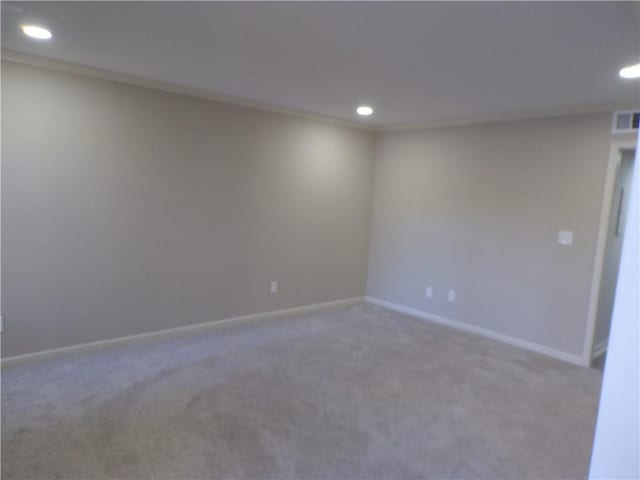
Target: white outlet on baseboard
<point x="428" y="292"/>
<point x="274" y="287"/>
<point x="451" y="296"/>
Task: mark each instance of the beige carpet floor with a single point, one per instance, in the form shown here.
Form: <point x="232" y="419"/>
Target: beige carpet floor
<point x="351" y="393"/>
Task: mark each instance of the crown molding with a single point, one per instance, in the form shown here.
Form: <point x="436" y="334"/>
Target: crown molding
<point x="553" y="113"/>
<point x="13" y="56"/>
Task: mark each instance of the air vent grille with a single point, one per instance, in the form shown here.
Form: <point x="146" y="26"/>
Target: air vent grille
<point x="626" y="122"/>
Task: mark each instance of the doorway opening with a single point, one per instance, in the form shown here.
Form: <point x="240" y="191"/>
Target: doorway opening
<point x="615" y="228"/>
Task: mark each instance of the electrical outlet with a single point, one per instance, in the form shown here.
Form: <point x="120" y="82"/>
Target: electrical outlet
<point x="452" y="296"/>
<point x="428" y="292"/>
<point x="274" y="287"/>
<point x="1" y="324"/>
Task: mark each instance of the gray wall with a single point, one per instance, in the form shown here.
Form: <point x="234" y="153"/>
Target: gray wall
<point x="127" y="210"/>
<point x="478" y="209"/>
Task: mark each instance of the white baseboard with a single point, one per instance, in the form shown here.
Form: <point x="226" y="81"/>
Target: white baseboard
<point x="517" y="342"/>
<point x="600" y="348"/>
<point x="177" y="330"/>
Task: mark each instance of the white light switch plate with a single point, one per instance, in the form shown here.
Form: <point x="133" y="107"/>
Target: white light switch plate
<point x="274" y="287"/>
<point x="565" y="237"/>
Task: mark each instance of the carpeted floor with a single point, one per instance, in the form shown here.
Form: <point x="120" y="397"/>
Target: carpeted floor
<point x="351" y="393"/>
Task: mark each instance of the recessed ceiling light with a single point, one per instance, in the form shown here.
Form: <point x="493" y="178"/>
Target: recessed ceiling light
<point x="632" y="71"/>
<point x="364" y="110"/>
<point x="34" y="31"/>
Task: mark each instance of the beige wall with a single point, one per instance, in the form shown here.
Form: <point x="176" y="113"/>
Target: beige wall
<point x="477" y="209"/>
<point x="127" y="210"/>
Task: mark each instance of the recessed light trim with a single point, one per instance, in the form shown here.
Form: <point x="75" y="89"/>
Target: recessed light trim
<point x="35" y="31"/>
<point x="632" y="71"/>
<point x="364" y="110"/>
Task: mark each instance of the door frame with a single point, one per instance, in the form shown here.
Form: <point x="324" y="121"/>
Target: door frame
<point x="615" y="156"/>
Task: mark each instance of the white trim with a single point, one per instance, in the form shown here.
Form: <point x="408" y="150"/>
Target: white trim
<point x="177" y="330"/>
<point x="601" y="243"/>
<point x="600" y="348"/>
<point x="13" y="56"/>
<point x="500" y="337"/>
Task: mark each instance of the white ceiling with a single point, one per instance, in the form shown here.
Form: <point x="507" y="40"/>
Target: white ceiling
<point x="414" y="62"/>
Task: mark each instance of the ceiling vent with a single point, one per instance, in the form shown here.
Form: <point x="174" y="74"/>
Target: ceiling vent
<point x="626" y="122"/>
